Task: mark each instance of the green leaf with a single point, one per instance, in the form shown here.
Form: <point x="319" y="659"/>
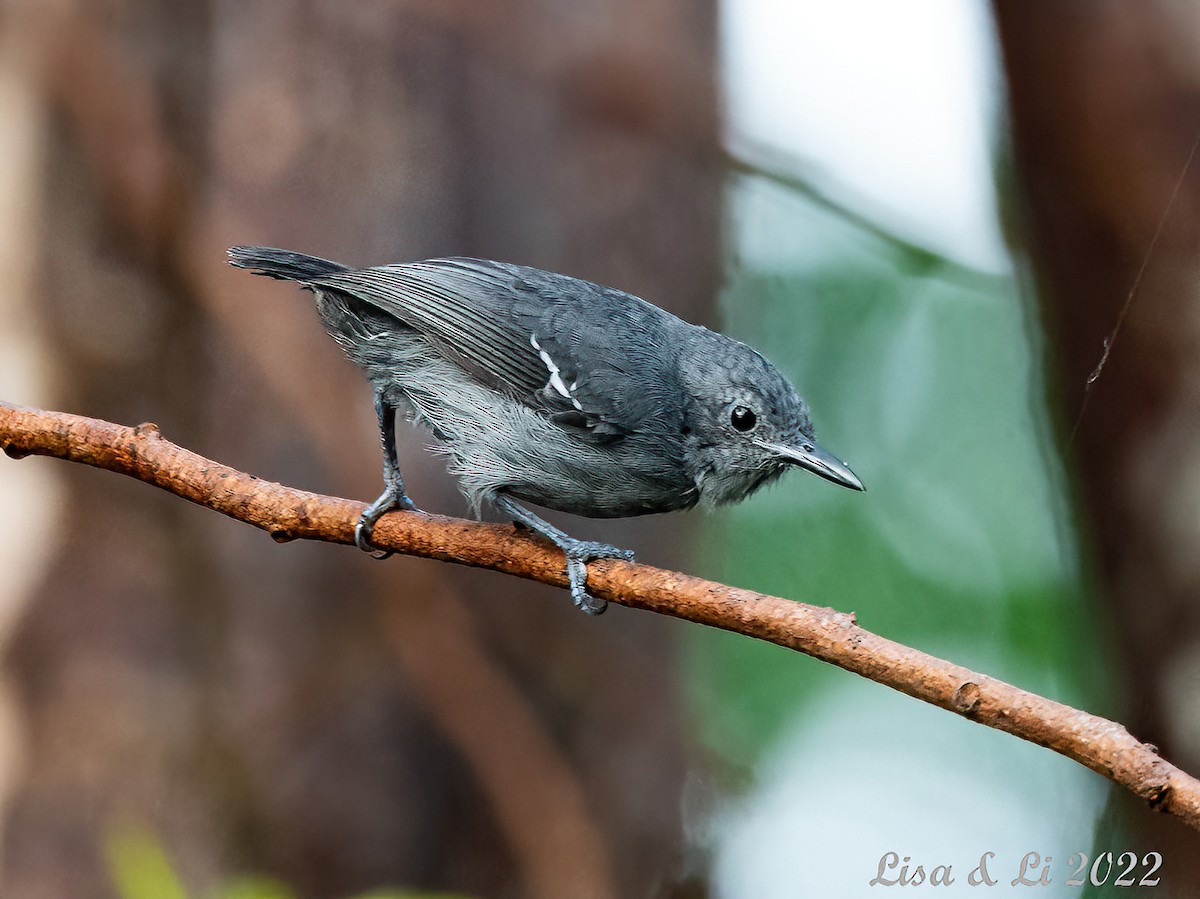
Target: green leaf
<point x="139" y="866"/>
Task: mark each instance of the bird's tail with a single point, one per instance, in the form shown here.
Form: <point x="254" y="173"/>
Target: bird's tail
<point x="284" y="265"/>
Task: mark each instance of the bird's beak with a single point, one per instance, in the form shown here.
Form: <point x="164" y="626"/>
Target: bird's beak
<point x="818" y="461"/>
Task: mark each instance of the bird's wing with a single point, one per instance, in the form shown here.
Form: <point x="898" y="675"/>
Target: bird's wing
<point x="587" y="356"/>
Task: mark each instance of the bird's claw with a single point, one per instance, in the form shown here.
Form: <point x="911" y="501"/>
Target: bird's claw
<point x="362" y="539"/>
<point x="579" y="553"/>
<point x="389" y="502"/>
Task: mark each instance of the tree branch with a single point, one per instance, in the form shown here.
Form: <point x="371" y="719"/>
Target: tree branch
<point x="287" y="514"/>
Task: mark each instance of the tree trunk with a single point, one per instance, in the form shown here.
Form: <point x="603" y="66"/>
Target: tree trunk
<point x="302" y="711"/>
<point x="1105" y="107"/>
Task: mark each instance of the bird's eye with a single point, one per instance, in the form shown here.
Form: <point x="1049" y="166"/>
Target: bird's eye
<point x="743" y="419"/>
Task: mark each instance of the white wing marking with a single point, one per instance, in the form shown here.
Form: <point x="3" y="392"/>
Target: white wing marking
<point x="556" y="382"/>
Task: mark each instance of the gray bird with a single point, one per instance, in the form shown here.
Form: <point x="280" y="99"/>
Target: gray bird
<point x="555" y="391"/>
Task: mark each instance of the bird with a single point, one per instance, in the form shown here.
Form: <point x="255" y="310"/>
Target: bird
<point x="545" y="389"/>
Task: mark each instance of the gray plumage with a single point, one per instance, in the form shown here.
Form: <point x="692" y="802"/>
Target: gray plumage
<point x="556" y="391"/>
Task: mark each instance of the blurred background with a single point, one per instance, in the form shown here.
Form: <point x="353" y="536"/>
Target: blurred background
<point x="938" y="217"/>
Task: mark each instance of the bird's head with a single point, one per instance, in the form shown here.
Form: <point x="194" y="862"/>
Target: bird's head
<point x="745" y="424"/>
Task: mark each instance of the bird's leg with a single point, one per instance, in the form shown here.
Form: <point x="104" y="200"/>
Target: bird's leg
<point x="393" y="496"/>
<point x="578" y="552"/>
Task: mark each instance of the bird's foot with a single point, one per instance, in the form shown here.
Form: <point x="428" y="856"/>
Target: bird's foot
<point x="579" y="553"/>
<point x="389" y="501"/>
